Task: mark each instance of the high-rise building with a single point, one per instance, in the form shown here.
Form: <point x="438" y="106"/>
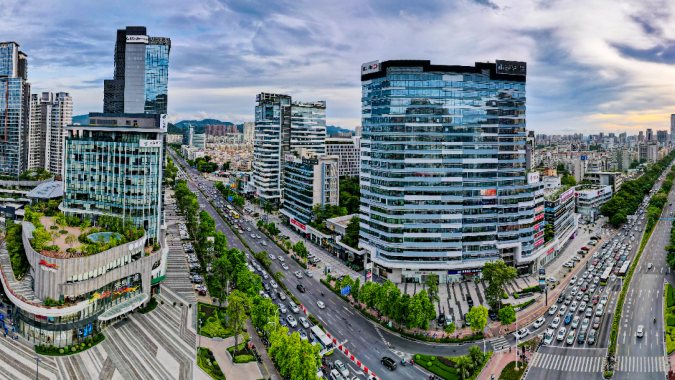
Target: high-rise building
<point x="662" y="136"/>
<point x="50" y="114"/>
<point x="430" y="202"/>
<point x="649" y="135"/>
<point x="14" y="109"/>
<point x="198" y="140"/>
<point x="672" y="127"/>
<point x="141" y="78"/>
<point x="282" y="126"/>
<point x="357" y="131"/>
<point x="349" y="152"/>
<point x="249" y="132"/>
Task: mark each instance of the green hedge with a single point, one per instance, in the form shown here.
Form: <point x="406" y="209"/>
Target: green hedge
<point x="69" y="350"/>
<point x="669" y="315"/>
<point x="432" y="364"/>
<point x="509" y="372"/>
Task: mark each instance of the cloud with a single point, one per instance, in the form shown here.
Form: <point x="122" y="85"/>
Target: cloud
<point x="585" y="59"/>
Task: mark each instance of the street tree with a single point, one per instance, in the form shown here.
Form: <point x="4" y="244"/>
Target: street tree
<point x="464" y="367"/>
<point x="248" y="282"/>
<point x="300" y="250"/>
<point x="497" y="274"/>
<point x="352" y="233"/>
<point x="477" y="318"/>
<point x="223" y="272"/>
<point x="279" y="275"/>
<point x="432" y="287"/>
<point x="476" y="356"/>
<point x="237" y="305"/>
<point x="263" y="311"/>
<point x="507" y="315"/>
<point x="450" y="329"/>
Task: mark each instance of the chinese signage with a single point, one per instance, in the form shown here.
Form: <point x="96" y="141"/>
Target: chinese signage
<point x="466" y="271"/>
<point x="538" y="234"/>
<point x="488" y="192"/>
<point x="310" y="161"/>
<point x="550" y="251"/>
<point x="370" y="67"/>
<point x="369" y="272"/>
<point x="163" y="122"/>
<point x="539" y="209"/>
<point x="150" y="143"/>
<point x="290" y="158"/>
<point x="538" y="243"/>
<point x="539" y="217"/>
<point x="511" y="67"/>
<point x="137" y="39"/>
<point x="567" y="194"/>
<point x="298" y="224"/>
<point x="48" y="267"/>
<point x="532" y="178"/>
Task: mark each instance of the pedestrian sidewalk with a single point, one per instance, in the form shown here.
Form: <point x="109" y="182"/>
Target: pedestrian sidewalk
<point x="497" y="363"/>
<point x="247" y="371"/>
<point x="267" y="367"/>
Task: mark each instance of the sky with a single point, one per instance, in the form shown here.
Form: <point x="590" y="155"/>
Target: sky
<point x="592" y="65"/>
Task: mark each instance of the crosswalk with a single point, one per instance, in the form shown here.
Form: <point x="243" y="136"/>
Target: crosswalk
<point x="499" y="343"/>
<point x="568" y="363"/>
<point x="641" y="364"/>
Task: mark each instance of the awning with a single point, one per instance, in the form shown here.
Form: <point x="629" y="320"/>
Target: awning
<point x="124" y="307"/>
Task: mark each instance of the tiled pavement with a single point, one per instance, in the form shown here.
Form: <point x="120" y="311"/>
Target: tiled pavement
<point x="177" y="274"/>
<point x="157" y="345"/>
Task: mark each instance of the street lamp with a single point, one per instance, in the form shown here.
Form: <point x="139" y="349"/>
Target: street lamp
<point x="37" y="366"/>
<point x="200" y="333"/>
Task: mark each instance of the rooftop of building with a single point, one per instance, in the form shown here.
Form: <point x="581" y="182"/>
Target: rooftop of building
<point x="47" y="190"/>
<point x="500" y="70"/>
<point x="342" y="220"/>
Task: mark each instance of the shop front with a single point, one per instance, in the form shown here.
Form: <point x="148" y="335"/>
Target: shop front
<point x="421" y="276"/>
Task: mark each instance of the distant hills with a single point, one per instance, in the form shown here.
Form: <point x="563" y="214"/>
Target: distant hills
<point x="179" y="128"/>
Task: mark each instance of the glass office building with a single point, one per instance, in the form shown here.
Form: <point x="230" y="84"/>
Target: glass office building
<point x="14" y="110"/>
<point x="141" y="73"/>
<point x="444" y="187"/>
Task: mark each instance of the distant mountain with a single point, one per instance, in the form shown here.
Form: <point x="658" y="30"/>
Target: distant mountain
<point x="81" y="119"/>
<point x="202" y="123"/>
<point x="333" y="130"/>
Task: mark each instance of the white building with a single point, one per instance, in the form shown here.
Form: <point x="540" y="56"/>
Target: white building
<point x="590" y="199"/>
<point x="50" y="113"/>
<point x="349" y="151"/>
<point x="249" y="132"/>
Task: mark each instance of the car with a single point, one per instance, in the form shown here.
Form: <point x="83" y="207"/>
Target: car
<point x="539" y="322"/>
<point x="570" y="337"/>
<point x="389" y="363"/>
<point x="266" y="286"/>
<point x="294" y="308"/>
<point x="273" y="284"/>
<point x="342" y="368"/>
<point x="575" y="322"/>
<point x="271" y="256"/>
<point x="586" y="297"/>
<point x="285" y="266"/>
<point x="568" y="300"/>
<point x="585" y="275"/>
<point x="265" y="244"/>
<point x="562" y="310"/>
<point x="573" y="307"/>
<point x="272" y="296"/>
<point x="579" y="296"/>
<point x="589" y="312"/>
<point x="591" y="289"/>
<point x="552" y="279"/>
<point x="320" y="304"/>
<point x="520" y="334"/>
<point x="561" y="298"/>
<point x="335" y="375"/>
<point x="552" y="310"/>
<point x="298" y="274"/>
<point x="283" y="322"/>
<point x="574" y="291"/>
<point x="548" y="336"/>
<point x="598" y="311"/>
<point x="603" y="300"/>
<point x="568" y="318"/>
<point x="591" y="337"/>
<point x="555" y="323"/>
<point x="301" y="288"/>
<point x="640" y="331"/>
<point x="596" y="298"/>
<point x="581" y="337"/>
<point x="291" y="321"/>
<point x="469" y="300"/>
<point x="280" y="258"/>
<point x="281" y="295"/>
<point x="585" y="323"/>
<point x="304" y="322"/>
<point x="573" y="280"/>
<point x="596" y="323"/>
<point x="649" y="266"/>
<point x="303" y="334"/>
<point x="309" y="273"/>
<point x="561" y="334"/>
<point x="253" y="236"/>
<point x="596" y="280"/>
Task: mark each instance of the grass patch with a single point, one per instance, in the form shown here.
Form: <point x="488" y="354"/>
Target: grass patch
<point x="509" y="372"/>
<point x="208" y="363"/>
<point x="244" y="355"/>
<point x="151" y="306"/>
<point x="213" y="322"/>
<point x="669" y="315"/>
<point x="70" y="350"/>
<point x="444" y="367"/>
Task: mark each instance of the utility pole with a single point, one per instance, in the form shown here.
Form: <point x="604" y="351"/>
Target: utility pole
<point x="37" y="367"/>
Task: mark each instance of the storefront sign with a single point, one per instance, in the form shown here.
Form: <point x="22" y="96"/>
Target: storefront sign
<point x="550" y="251"/>
<point x="150" y="143"/>
<point x="539" y="209"/>
<point x="369" y="272"/>
<point x="488" y="192"/>
<point x="539" y="217"/>
<point x="466" y="271"/>
<point x="538" y="234"/>
<point x="298" y="224"/>
<point x="538" y="243"/>
<point x="567" y="194"/>
<point x="48" y="267"/>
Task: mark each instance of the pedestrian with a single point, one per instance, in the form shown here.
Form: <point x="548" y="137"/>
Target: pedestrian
<point x="509" y="350"/>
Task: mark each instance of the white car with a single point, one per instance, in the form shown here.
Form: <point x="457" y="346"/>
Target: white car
<point x="520" y="334"/>
<point x="309" y="273"/>
<point x="265" y="244"/>
<point x="561" y="334"/>
<point x="271" y="256"/>
<point x="273" y="284"/>
<point x="562" y="310"/>
<point x="555" y="323"/>
<point x="298" y="274"/>
<point x="291" y="321"/>
<point x="574" y="291"/>
<point x="282" y="308"/>
<point x="321" y="305"/>
<point x="649" y="266"/>
<point x="598" y="311"/>
<point x="603" y="300"/>
<point x="548" y="336"/>
<point x="573" y="280"/>
<point x="552" y="310"/>
<point x="539" y="322"/>
<point x="575" y="322"/>
<point x="570" y="337"/>
<point x="285" y="266"/>
<point x="573" y="307"/>
<point x="640" y="331"/>
<point x="342" y="368"/>
<point x="294" y="307"/>
<point x="304" y="322"/>
<point x="582" y="306"/>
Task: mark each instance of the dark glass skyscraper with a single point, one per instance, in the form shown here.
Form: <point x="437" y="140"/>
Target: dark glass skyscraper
<point x="141" y="73"/>
<point x="444" y="185"/>
<point x="14" y="109"/>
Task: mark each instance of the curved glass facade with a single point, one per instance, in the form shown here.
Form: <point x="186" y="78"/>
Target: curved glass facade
<point x="443" y="169"/>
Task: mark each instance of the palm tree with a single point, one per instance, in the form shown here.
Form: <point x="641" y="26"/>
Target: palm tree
<point x="267" y="207"/>
<point x="464" y="367"/>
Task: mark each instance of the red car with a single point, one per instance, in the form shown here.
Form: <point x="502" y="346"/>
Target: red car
<point x="585" y="248"/>
<point x="584" y="286"/>
<point x="596" y="298"/>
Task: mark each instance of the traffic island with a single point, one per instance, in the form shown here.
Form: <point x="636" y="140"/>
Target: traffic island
<point x="453" y="368"/>
<point x="511" y="373"/>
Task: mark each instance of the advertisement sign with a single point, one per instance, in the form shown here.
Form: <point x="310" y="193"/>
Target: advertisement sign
<point x="532" y="178"/>
<point x="551" y="250"/>
<point x="566" y="194"/>
<point x="150" y="143"/>
<point x="230" y="199"/>
<point x="583" y="158"/>
<point x="488" y="192"/>
<point x="163" y="122"/>
<point x="466" y="271"/>
<point x="137" y="39"/>
<point x="539" y="209"/>
<point x="344" y="291"/>
<point x="369" y="272"/>
<point x="310" y="161"/>
<point x="370" y="67"/>
<point x="538" y="234"/>
<point x="298" y="224"/>
<point x="290" y="158"/>
<point x="538" y="243"/>
<point x="539" y="217"/>
<point x="511" y="67"/>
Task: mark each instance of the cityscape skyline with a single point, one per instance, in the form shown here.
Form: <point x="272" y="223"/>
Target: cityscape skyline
<point x="580" y="79"/>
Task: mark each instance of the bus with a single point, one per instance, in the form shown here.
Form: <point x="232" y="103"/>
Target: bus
<point x="229" y="208"/>
<point x="321" y="338"/>
<point x="624" y="269"/>
<point x="235" y="214"/>
<point x="605" y="276"/>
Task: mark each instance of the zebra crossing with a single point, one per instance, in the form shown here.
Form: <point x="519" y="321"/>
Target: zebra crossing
<point x="641" y="364"/>
<point x="499" y="343"/>
<point x="568" y="363"/>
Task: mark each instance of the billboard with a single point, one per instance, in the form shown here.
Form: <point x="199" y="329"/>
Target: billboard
<point x="539" y="217"/>
<point x="344" y="291"/>
<point x="538" y="242"/>
<point x="150" y="143"/>
<point x="511" y="67"/>
<point x="532" y="178"/>
<point x="539" y="209"/>
<point x="551" y="250"/>
<point x="163" y="122"/>
<point x="567" y="194"/>
<point x="370" y="67"/>
<point x="137" y="39"/>
<point x="369" y="272"/>
<point x="488" y="192"/>
<point x="298" y="224"/>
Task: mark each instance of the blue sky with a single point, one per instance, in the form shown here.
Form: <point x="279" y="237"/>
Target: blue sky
<point x="593" y="65"/>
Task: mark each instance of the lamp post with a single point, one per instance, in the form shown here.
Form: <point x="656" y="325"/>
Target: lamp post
<point x="200" y="333"/>
<point x="37" y="367"/>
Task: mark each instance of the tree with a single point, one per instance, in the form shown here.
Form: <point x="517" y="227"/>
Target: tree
<point x="267" y="207"/>
<point x="464" y="367"/>
<point x="239" y="201"/>
<point x="263" y="311"/>
<point x="279" y="275"/>
<point x="476" y="356"/>
<point x="248" y="282"/>
<point x="477" y="318"/>
<point x="548" y="232"/>
<point x="226" y="166"/>
<point x="351" y="237"/>
<point x="507" y="315"/>
<point x="297" y="358"/>
<point x="71" y="239"/>
<point x="568" y="180"/>
<point x="237" y="305"/>
<point x="54" y="235"/>
<point x="222" y="274"/>
<point x="497" y="274"/>
<point x="432" y="287"/>
<point x="356" y="288"/>
<point x="300" y="250"/>
<point x="450" y="329"/>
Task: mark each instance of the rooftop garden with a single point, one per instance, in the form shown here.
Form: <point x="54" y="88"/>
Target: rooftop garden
<point x="554" y="195"/>
<point x="65" y="236"/>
